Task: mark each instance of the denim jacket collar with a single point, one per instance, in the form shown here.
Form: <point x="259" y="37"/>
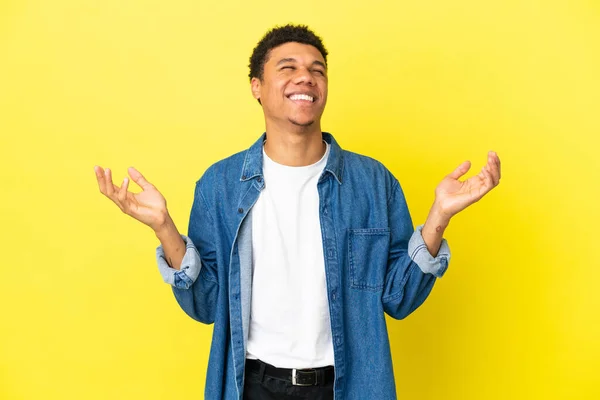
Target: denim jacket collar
<point x="252" y="167"/>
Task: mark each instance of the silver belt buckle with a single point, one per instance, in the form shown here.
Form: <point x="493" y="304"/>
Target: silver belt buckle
<point x="295" y="383"/>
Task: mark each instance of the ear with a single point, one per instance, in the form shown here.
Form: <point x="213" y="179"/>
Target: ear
<point x="255" y="86"/>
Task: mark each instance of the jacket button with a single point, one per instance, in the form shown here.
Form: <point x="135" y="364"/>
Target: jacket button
<point x="259" y="179"/>
<point x="243" y="176"/>
<point x="241" y="210"/>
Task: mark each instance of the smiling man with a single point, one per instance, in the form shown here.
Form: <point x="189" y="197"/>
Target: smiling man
<point x="296" y="248"/>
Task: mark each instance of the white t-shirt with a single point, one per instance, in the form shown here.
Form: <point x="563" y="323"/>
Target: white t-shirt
<point x="289" y="317"/>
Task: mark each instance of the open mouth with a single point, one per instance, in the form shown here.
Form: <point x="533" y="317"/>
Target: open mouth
<point x="298" y="97"/>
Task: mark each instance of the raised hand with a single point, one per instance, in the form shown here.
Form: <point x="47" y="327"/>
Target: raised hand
<point x="453" y="196"/>
<point x="148" y="206"/>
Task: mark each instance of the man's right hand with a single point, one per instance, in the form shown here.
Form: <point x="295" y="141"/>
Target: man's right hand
<point x="148" y="206"/>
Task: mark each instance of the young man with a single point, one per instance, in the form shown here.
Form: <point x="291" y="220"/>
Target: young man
<point x="296" y="248"/>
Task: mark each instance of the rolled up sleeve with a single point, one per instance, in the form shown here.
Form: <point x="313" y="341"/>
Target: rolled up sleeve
<point x="189" y="270"/>
<point x="417" y="250"/>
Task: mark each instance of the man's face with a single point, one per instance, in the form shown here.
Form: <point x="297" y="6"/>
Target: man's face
<point x="294" y="85"/>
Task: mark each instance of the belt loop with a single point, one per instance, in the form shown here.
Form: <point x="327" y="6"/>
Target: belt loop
<point x="321" y="376"/>
<point x="261" y="372"/>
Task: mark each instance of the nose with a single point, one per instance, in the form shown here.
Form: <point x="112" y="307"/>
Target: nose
<point x="304" y="76"/>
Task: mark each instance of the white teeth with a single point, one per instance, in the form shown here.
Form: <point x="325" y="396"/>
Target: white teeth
<point x="301" y="97"/>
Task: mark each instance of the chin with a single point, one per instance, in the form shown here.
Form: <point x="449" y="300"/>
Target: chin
<point x="305" y="123"/>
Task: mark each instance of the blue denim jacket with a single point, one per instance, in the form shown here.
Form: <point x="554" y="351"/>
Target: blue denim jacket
<point x="375" y="263"/>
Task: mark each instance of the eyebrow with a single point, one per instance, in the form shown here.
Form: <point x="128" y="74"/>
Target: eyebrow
<point x="285" y="60"/>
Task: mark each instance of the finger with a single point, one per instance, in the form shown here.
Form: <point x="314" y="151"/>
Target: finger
<point x="100" y="178"/>
<point x="460" y="170"/>
<point x="499" y="166"/>
<point x="492" y="168"/>
<point x="110" y="187"/>
<point x="488" y="181"/>
<point x="492" y="155"/>
<point x="481" y="175"/>
<point x="122" y="195"/>
<point x="138" y="178"/>
<point x="494" y="162"/>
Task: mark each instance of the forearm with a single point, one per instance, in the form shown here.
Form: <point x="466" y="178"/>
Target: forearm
<point x="433" y="230"/>
<point x="172" y="243"/>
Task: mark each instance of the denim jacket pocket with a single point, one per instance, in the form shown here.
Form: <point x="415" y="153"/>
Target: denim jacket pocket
<point x="368" y="254"/>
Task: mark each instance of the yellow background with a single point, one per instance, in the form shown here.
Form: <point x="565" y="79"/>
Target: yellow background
<point x="419" y="85"/>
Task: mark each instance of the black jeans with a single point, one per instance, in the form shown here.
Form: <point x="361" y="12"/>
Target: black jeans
<point x="269" y="388"/>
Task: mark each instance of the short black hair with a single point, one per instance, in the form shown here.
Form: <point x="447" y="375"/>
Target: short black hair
<point x="278" y="36"/>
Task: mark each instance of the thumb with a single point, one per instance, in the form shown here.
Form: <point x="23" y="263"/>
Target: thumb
<point x="460" y="170"/>
<point x="138" y="178"/>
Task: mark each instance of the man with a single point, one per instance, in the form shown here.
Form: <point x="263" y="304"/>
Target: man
<point x="296" y="248"/>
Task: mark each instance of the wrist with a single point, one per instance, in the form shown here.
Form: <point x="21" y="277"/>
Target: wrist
<point x="164" y="225"/>
<point x="437" y="220"/>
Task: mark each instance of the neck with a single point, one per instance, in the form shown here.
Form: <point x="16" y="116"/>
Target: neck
<point x="296" y="147"/>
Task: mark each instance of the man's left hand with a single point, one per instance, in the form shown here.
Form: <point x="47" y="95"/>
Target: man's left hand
<point x="453" y="196"/>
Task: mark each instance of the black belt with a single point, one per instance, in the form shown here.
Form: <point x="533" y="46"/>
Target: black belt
<point x="298" y="377"/>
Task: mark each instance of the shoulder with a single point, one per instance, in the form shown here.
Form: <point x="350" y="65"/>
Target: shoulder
<point x="359" y="167"/>
<point x="362" y="160"/>
<point x="223" y="170"/>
